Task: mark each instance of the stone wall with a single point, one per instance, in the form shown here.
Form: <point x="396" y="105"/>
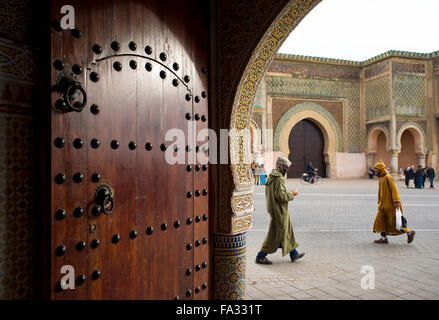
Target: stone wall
<point x="19" y="79"/>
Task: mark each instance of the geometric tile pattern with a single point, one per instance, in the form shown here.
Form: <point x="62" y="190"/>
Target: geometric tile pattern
<point x="16" y="20"/>
<point x="17" y="207"/>
<point x="377" y="97"/>
<point x="17" y="61"/>
<point x="229" y="266"/>
<point x="409" y="95"/>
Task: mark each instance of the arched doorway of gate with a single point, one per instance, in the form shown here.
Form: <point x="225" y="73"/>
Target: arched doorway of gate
<point x="381" y="150"/>
<point x="407" y="156"/>
<point x="306" y="143"/>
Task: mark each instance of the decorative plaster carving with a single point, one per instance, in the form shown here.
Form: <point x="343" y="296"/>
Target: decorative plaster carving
<point x="261" y="58"/>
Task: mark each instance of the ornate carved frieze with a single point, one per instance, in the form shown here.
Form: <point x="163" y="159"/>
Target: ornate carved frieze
<point x="16" y="20"/>
<point x="314" y="72"/>
<point x="404" y="68"/>
<point x="376" y="69"/>
<point x="17" y="62"/>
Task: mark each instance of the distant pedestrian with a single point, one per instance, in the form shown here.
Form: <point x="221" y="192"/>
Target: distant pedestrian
<point x="412" y="174"/>
<point x="431" y="175"/>
<point x="257" y="174"/>
<point x="419" y="177"/>
<point x="311" y="172"/>
<point x="263" y="175"/>
<point x="424" y="176"/>
<point x="401" y="174"/>
<point x="280" y="232"/>
<point x="371" y="173"/>
<point x="408" y="173"/>
<point x="388" y="202"/>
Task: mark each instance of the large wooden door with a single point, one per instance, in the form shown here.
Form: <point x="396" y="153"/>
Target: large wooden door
<point x="306" y="143"/>
<point x="130" y="223"/>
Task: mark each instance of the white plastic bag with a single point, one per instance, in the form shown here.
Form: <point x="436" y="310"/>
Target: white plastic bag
<point x="398" y="219"/>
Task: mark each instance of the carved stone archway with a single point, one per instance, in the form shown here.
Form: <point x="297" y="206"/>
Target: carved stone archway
<point x="418" y="134"/>
<point x="323" y="119"/>
<point x="420" y="140"/>
<point x="372" y="136"/>
<point x="372" y="142"/>
<point x="232" y="224"/>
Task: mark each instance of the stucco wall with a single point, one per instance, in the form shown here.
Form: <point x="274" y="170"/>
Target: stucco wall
<point x="350" y="165"/>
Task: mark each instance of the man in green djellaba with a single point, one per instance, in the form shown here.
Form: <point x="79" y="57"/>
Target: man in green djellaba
<point x="280" y="233"/>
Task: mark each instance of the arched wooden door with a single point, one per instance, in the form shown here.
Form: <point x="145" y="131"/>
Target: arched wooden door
<point x="132" y="225"/>
<point x="306" y="142"/>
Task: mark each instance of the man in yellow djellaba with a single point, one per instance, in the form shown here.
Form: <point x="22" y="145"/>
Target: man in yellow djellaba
<point x="388" y="202"/>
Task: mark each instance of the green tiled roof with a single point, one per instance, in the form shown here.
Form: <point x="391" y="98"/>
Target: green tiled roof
<point x="388" y="54"/>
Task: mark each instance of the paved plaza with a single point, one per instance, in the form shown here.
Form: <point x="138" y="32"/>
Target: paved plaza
<point x="333" y="226"/>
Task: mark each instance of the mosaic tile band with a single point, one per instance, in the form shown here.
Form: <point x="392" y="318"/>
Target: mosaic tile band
<point x="229" y="266"/>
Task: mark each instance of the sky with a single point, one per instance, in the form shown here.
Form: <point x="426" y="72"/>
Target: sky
<point x="361" y="29"/>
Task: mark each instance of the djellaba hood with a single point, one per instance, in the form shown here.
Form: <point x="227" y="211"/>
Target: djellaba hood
<point x="275" y="174"/>
<point x="382" y="167"/>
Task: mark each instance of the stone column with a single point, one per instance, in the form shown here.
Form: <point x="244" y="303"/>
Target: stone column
<point x="421" y="159"/>
<point x="268" y="134"/>
<point x="269" y="152"/>
<point x="394" y="162"/>
<point x="229" y="266"/>
<point x="235" y="208"/>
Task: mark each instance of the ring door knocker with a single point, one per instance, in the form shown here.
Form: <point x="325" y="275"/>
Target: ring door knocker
<point x="104" y="199"/>
<point x="71" y="91"/>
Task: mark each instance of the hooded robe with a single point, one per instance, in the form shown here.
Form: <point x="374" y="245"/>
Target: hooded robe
<point x="385" y="220"/>
<point x="280" y="232"/>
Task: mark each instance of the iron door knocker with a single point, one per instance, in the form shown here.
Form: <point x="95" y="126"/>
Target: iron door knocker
<point x="71" y="91"/>
<point x="104" y="198"/>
